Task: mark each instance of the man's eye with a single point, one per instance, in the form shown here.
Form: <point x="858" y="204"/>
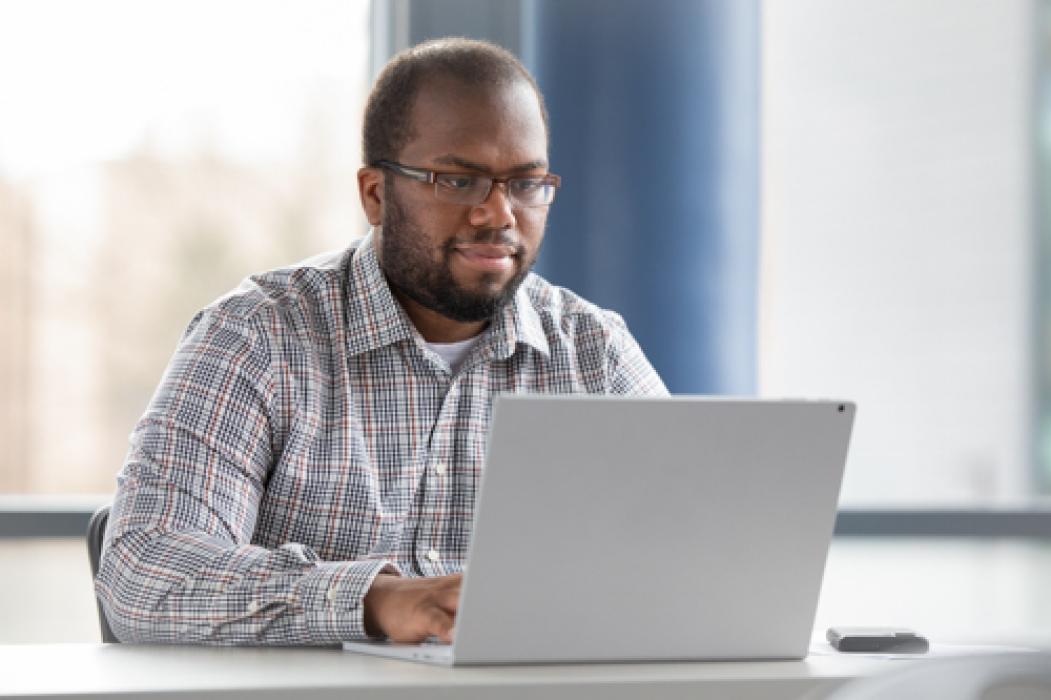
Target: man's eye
<point x="456" y="182"/>
<point x="526" y="185"/>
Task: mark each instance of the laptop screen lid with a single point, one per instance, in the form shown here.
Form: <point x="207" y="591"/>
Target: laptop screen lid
<point x="612" y="528"/>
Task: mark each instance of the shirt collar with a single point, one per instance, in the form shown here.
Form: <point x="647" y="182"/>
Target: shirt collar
<point x="518" y="322"/>
<point x="375" y="319"/>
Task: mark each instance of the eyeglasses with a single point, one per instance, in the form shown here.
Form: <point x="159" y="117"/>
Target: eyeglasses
<point x="471" y="190"/>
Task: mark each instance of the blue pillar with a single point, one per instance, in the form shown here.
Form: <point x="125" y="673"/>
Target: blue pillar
<point x="654" y="114"/>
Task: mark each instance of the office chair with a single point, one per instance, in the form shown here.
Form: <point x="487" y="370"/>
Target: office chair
<point x="96" y="533"/>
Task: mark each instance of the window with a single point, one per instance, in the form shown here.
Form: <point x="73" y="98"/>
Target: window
<point x="899" y="249"/>
<point x="152" y="154"/>
<point x="1043" y="258"/>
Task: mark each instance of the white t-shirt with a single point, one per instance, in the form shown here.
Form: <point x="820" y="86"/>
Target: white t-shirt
<point x="454" y="353"/>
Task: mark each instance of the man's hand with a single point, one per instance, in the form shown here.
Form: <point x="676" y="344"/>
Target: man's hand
<point x="412" y="609"/>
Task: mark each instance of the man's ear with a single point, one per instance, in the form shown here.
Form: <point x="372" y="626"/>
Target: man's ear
<point x="370" y="188"/>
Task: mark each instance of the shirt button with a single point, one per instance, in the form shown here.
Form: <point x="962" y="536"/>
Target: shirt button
<point x="254" y="606"/>
<point x="433" y="555"/>
<point x="332" y="594"/>
<point x="440" y="469"/>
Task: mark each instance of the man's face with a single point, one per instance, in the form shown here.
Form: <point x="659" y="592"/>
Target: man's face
<point x="464" y="262"/>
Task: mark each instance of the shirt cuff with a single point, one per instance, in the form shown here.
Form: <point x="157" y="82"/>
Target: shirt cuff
<point x="332" y="596"/>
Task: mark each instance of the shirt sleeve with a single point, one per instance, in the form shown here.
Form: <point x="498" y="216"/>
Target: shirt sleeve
<point x="178" y="565"/>
<point x="629" y="372"/>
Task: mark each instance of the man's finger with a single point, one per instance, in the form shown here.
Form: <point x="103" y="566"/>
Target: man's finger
<point x="449" y="581"/>
<point x="440" y="625"/>
<point x="449" y="598"/>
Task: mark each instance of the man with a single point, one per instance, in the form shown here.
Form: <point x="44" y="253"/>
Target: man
<point x="307" y="470"/>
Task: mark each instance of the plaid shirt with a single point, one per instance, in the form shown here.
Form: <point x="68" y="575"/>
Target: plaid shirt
<point x="303" y="438"/>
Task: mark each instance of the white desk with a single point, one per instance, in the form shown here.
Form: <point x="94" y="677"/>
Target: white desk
<point x="97" y="670"/>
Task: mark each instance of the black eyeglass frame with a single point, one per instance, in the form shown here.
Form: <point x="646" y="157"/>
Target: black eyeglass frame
<point x="431" y="177"/>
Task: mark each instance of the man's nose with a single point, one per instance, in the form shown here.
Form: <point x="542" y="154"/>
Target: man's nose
<point x="496" y="211"/>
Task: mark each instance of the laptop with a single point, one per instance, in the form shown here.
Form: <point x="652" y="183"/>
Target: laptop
<point x="646" y="529"/>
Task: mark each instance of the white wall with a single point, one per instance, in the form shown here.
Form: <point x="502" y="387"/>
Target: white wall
<point x="897" y="225"/>
<point x="46" y="593"/>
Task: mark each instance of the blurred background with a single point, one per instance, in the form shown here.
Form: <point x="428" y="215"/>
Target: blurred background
<point x="815" y="198"/>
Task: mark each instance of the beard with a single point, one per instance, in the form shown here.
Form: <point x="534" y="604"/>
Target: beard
<point x="411" y="269"/>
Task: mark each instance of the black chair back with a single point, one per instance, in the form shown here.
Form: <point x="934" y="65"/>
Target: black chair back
<point x="96" y="534"/>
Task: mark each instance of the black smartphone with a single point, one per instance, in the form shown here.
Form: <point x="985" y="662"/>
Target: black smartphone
<point x="877" y="640"/>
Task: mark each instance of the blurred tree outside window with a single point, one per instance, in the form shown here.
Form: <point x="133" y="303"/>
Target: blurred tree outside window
<point x="152" y="155"/>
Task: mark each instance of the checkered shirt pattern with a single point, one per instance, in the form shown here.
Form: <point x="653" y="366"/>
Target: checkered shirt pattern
<point x="304" y="438"/>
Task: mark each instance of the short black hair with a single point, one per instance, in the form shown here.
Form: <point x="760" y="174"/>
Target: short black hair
<point x="388" y="112"/>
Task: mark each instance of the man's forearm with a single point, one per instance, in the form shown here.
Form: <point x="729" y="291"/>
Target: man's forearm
<point x="191" y="587"/>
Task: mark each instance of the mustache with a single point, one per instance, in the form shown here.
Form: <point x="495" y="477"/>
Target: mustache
<point x="494" y="236"/>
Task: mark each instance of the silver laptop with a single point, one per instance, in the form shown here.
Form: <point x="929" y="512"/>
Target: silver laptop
<point x="624" y="529"/>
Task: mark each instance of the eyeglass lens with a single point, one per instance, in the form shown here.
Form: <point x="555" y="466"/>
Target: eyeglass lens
<point x="472" y="189"/>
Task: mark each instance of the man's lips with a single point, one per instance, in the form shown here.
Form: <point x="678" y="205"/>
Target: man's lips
<point x="487" y="257"/>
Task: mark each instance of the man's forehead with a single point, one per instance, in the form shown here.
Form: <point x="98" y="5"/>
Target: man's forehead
<point x="461" y="162"/>
<point x="465" y="125"/>
<point x="442" y="96"/>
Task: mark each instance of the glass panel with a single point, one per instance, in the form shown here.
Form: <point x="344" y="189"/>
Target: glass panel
<point x="1043" y="261"/>
<point x="898" y="228"/>
<point x="152" y="154"/>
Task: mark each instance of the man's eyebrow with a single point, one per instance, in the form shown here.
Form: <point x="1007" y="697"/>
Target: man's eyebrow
<point x="468" y="165"/>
